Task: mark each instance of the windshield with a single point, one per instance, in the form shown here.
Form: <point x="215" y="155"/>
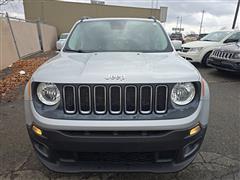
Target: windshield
<point x="216" y="36"/>
<point x="118" y="36"/>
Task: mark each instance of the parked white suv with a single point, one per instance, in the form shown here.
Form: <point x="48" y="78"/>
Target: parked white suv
<point x="117" y="98"/>
<point x="199" y="51"/>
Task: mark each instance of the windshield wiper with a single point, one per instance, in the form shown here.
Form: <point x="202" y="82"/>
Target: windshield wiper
<point x="74" y="50"/>
<point x="205" y="40"/>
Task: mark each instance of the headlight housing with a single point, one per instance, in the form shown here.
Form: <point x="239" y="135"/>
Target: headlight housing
<point x="236" y="56"/>
<point x="48" y="94"/>
<point x="183" y="93"/>
<point x="195" y="50"/>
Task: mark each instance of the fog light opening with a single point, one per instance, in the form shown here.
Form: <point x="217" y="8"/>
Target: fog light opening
<point x="190" y="149"/>
<point x="36" y="130"/>
<point x="195" y="130"/>
<point x="41" y="149"/>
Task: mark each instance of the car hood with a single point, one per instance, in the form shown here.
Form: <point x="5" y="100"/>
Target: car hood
<point x="233" y="47"/>
<point x="197" y="44"/>
<point x="116" y="67"/>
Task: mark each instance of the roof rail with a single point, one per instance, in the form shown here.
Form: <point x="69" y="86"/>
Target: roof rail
<point x="84" y="17"/>
<point x="153" y="17"/>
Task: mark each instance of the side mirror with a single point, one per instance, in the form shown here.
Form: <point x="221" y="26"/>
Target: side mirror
<point x="60" y="44"/>
<point x="177" y="44"/>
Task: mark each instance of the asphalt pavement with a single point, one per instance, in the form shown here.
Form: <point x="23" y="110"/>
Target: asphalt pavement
<point x="219" y="157"/>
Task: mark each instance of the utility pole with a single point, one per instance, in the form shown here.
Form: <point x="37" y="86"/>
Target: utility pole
<point x="177" y="24"/>
<point x="180" y="24"/>
<point x="13" y="36"/>
<point x="157" y="4"/>
<point x="201" y="22"/>
<point x="236" y="14"/>
<point x="151" y="7"/>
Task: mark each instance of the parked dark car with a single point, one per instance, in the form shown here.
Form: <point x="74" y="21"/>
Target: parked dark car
<point x="226" y="58"/>
<point x="177" y="36"/>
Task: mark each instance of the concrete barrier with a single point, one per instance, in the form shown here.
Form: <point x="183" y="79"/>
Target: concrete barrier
<point x="8" y="52"/>
<point x="19" y="39"/>
<point x="26" y="35"/>
<point x="48" y="36"/>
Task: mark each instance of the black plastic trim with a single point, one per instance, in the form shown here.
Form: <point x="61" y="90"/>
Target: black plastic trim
<point x="168" y="141"/>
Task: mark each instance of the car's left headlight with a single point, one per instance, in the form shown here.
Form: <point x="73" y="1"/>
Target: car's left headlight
<point x="236" y="56"/>
<point x="48" y="93"/>
<point x="195" y="50"/>
<point x="183" y="93"/>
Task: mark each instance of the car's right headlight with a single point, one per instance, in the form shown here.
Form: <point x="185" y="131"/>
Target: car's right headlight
<point x="195" y="50"/>
<point x="236" y="56"/>
<point x="183" y="93"/>
<point x="48" y="94"/>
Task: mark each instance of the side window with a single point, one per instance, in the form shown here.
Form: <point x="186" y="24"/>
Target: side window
<point x="233" y="38"/>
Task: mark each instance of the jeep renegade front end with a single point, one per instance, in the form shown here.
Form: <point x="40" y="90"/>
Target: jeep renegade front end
<point x="117" y="98"/>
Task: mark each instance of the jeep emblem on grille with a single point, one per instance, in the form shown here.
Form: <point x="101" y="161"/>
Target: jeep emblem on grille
<point x="115" y="78"/>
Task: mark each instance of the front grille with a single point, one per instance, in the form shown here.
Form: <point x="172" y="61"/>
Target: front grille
<point x="185" y="49"/>
<point x="115" y="99"/>
<point x="222" y="54"/>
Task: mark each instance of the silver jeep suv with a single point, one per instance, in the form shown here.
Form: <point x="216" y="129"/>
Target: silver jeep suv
<point x="117" y="98"/>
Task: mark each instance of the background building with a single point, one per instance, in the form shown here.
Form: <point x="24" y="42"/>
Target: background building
<point x="63" y="15"/>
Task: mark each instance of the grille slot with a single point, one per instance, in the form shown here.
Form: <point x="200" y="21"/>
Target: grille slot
<point x="130" y="99"/>
<point x="115" y="99"/>
<point x="160" y="99"/>
<point x="145" y="99"/>
<point x="100" y="99"/>
<point x="69" y="96"/>
<point x="84" y="99"/>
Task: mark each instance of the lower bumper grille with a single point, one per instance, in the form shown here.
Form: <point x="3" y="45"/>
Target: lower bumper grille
<point x="123" y="157"/>
<point x="115" y="133"/>
<point x="115" y="99"/>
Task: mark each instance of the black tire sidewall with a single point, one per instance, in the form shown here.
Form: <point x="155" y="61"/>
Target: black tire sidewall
<point x="205" y="58"/>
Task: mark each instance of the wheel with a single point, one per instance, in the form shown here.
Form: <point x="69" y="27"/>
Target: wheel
<point x="205" y="59"/>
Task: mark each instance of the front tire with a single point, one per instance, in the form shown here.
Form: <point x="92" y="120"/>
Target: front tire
<point x="205" y="59"/>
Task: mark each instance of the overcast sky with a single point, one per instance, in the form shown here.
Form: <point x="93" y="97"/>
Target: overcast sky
<point x="219" y="14"/>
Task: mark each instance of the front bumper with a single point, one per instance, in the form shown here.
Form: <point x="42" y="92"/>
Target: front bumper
<point x="192" y="57"/>
<point x="226" y="65"/>
<point x="106" y="151"/>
